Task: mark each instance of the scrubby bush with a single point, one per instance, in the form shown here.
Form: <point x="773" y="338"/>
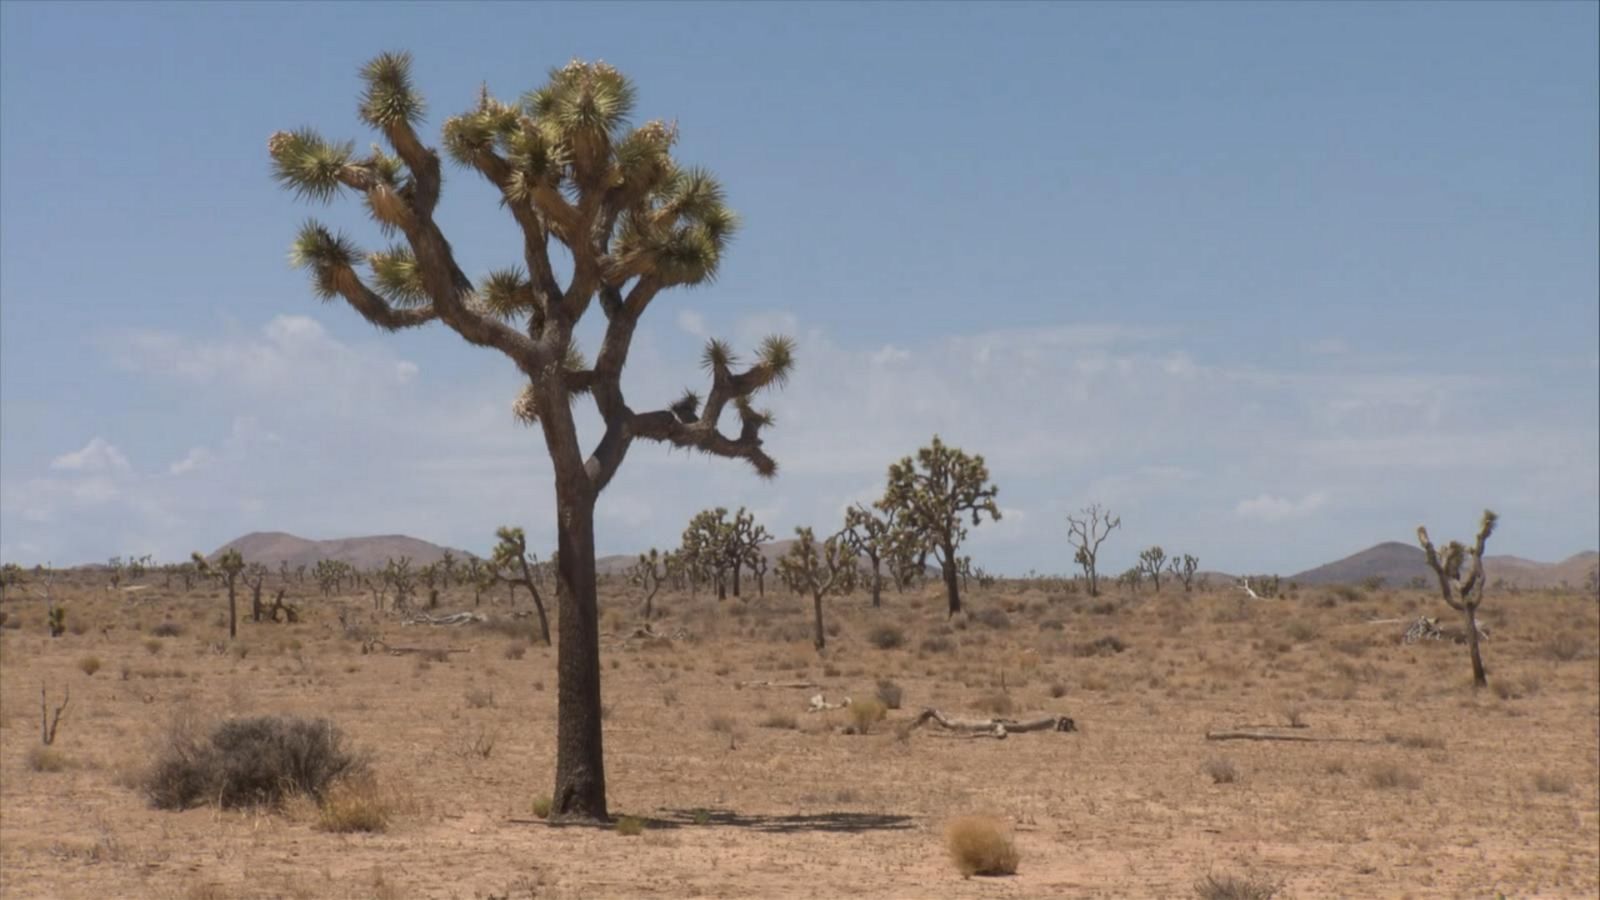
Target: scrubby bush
<point x="1101" y="646"/>
<point x="89" y="665"/>
<point x="886" y="637"/>
<point x="354" y="804"/>
<point x="981" y="845"/>
<point x="167" y="629"/>
<point x="1221" y="771"/>
<point x="516" y="650"/>
<point x="541" y="807"/>
<point x="46" y="759"/>
<point x="889" y="693"/>
<point x="993" y="617"/>
<point x="629" y="826"/>
<point x="248" y="762"/>
<point x="867" y="713"/>
<point x="1233" y="887"/>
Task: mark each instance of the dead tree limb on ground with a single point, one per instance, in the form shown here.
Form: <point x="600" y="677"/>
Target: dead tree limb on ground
<point x="1269" y="736"/>
<point x="995" y="728"/>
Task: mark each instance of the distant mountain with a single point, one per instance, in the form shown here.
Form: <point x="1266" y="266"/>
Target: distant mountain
<point x="270" y="547"/>
<point x="1397" y="564"/>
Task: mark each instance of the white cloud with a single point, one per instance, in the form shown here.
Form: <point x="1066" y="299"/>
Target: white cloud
<point x="1271" y="508"/>
<point x="692" y="322"/>
<point x="196" y="458"/>
<point x="98" y="455"/>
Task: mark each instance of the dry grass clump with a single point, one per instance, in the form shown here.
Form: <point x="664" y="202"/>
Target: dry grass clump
<point x="630" y="826"/>
<point x="355" y="804"/>
<point x="1552" y="783"/>
<point x="1221" y="770"/>
<point x="89" y="665"/>
<point x="993" y="617"/>
<point x="1109" y="645"/>
<point x="1234" y="887"/>
<point x="479" y="698"/>
<point x="937" y="644"/>
<point x="1389" y="775"/>
<point x="889" y="693"/>
<point x="167" y="629"/>
<point x="47" y="759"/>
<point x="516" y="650"/>
<point x="981" y="845"/>
<point x="866" y="713"/>
<point x="886" y="637"/>
<point x="1565" y="647"/>
<point x="541" y="807"/>
<point x="249" y="762"/>
<point x="780" y="720"/>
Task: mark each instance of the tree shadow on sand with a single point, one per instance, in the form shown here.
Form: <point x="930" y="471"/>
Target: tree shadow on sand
<point x="825" y="822"/>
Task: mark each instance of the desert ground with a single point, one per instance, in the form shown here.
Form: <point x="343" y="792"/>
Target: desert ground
<point x="1435" y="789"/>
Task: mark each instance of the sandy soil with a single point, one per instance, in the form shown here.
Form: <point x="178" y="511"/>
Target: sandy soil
<point x="744" y="794"/>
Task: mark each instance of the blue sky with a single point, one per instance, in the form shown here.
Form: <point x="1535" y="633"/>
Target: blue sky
<point x="1275" y="282"/>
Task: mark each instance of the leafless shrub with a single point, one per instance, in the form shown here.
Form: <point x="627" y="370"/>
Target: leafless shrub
<point x="889" y="693"/>
<point x="247" y="762"/>
<point x="886" y="637"/>
<point x="1234" y="887"/>
<point x="167" y="629"/>
<point x="1221" y="770"/>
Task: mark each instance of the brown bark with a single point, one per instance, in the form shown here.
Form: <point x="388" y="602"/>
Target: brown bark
<point x="580" y="790"/>
<point x="1479" y="677"/>
<point x="820" y="639"/>
<point x="952" y="586"/>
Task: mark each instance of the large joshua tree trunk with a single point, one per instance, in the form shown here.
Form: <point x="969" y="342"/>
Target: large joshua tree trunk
<point x="580" y="791"/>
<point x="1479" y="677"/>
<point x="952" y="582"/>
<point x="820" y="639"/>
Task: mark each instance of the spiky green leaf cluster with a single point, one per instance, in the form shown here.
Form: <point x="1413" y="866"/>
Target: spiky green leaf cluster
<point x="397" y="277"/>
<point x="303" y="162"/>
<point x="326" y="254"/>
<point x="389" y="98"/>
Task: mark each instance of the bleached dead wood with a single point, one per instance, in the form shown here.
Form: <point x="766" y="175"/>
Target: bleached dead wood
<point x="820" y="703"/>
<point x="778" y="684"/>
<point x="1270" y="736"/>
<point x="460" y="618"/>
<point x="995" y="728"/>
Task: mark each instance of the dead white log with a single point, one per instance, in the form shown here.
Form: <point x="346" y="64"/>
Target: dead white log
<point x="995" y="728"/>
<point x="1269" y="736"/>
<point x="779" y="684"/>
<point x="460" y="618"/>
<point x="820" y="704"/>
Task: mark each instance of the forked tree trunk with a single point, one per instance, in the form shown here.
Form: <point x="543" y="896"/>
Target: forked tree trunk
<point x="821" y="639"/>
<point x="580" y="791"/>
<point x="877" y="583"/>
<point x="952" y="585"/>
<point x="736" y="568"/>
<point x="233" y="612"/>
<point x="1479" y="678"/>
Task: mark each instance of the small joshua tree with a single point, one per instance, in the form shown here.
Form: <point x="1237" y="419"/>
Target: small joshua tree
<point x="255" y="576"/>
<point x="870" y="532"/>
<point x="745" y="542"/>
<point x="1463" y="594"/>
<point x="1087" y="531"/>
<point x="711" y="545"/>
<point x="818" y="571"/>
<point x="933" y="495"/>
<point x="1183" y="570"/>
<point x="1150" y="562"/>
<point x="515" y="565"/>
<point x="401" y="579"/>
<point x="228" y="567"/>
<point x="648" y="574"/>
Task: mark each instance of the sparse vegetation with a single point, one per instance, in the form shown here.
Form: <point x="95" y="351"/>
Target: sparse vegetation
<point x="1234" y="887"/>
<point x="248" y="762"/>
<point x="981" y="845"/>
<point x="1221" y="770"/>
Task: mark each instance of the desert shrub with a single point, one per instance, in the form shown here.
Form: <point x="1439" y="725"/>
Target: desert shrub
<point x="993" y="617"/>
<point x="516" y="650"/>
<point x="1103" y="608"/>
<point x="1221" y="770"/>
<point x="1551" y="783"/>
<point x="720" y="723"/>
<point x="541" y="807"/>
<point x="167" y="629"/>
<point x="89" y="665"/>
<point x="889" y="693"/>
<point x="981" y="845"/>
<point x="247" y="762"/>
<point x="1303" y="632"/>
<point x="1389" y="775"/>
<point x="630" y="826"/>
<point x="354" y="804"/>
<point x="996" y="704"/>
<point x="1234" y="887"/>
<point x="1101" y="646"/>
<point x="1294" y="715"/>
<point x="886" y="637"/>
<point x="866" y="713"/>
<point x="1564" y="647"/>
<point x="780" y="720"/>
<point x="152" y="646"/>
<point x="480" y="698"/>
<point x="46" y="759"/>
<point x="1057" y="690"/>
<point x="1052" y="625"/>
<point x="937" y="644"/>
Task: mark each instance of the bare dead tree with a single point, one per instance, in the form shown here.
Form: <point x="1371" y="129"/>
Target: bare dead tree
<point x="1087" y="531"/>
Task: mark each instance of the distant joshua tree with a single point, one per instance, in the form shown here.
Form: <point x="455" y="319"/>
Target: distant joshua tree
<point x="1087" y="531"/>
<point x="1463" y="594"/>
<point x="1150" y="563"/>
<point x="228" y="568"/>
<point x="818" y="572"/>
<point x="1183" y="570"/>
<point x="933" y="495"/>
<point x="648" y="574"/>
<point x="515" y="565"/>
<point x="870" y="532"/>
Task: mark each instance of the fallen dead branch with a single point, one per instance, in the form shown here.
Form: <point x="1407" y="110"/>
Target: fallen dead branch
<point x="779" y="684"/>
<point x="1234" y="735"/>
<point x="820" y="703"/>
<point x="995" y="728"/>
<point x="460" y="618"/>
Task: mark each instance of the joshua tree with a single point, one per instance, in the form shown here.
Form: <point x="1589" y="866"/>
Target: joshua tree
<point x="1131" y="579"/>
<point x="116" y="569"/>
<point x="808" y="569"/>
<point x="1150" y="562"/>
<point x="648" y="573"/>
<point x="933" y="494"/>
<point x="255" y="575"/>
<point x="514" y="564"/>
<point x="1183" y="570"/>
<point x="228" y="567"/>
<point x="745" y="542"/>
<point x="447" y="567"/>
<point x="401" y="578"/>
<point x="633" y="223"/>
<point x="1463" y="594"/>
<point x="711" y="545"/>
<point x="870" y="532"/>
<point x="1087" y="531"/>
<point x="10" y="576"/>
